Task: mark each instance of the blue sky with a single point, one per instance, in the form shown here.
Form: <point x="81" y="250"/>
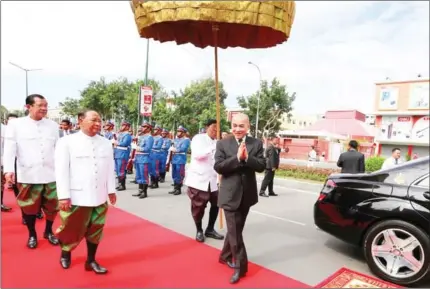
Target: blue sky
<point x="337" y="51"/>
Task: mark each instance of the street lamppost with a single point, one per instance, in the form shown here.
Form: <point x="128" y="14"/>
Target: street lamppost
<point x="258" y="98"/>
<point x="26" y="75"/>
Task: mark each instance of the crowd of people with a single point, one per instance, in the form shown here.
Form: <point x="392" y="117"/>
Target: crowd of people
<point x="91" y="163"/>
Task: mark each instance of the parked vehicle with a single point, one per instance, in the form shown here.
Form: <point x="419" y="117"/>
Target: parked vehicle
<point x="387" y="213"/>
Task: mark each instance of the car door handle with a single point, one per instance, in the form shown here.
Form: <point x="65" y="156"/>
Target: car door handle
<point x="427" y="195"/>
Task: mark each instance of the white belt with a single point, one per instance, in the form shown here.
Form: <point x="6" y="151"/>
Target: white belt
<point x="156" y="151"/>
<point x="122" y="148"/>
<point x="179" y="153"/>
<point x="139" y="153"/>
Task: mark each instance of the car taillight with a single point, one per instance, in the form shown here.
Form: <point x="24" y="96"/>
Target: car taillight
<point x="329" y="186"/>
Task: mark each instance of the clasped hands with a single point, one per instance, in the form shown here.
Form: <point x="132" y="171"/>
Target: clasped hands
<point x="242" y="152"/>
<point x="66" y="204"/>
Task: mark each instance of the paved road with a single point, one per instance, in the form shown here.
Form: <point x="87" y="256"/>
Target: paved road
<point x="279" y="234"/>
<point x="324" y="165"/>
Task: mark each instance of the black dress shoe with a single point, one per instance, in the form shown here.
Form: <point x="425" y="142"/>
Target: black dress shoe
<point x="272" y="194"/>
<point x="5" y="208"/>
<point x="51" y="238"/>
<point x="39" y="215"/>
<point x="200" y="237"/>
<point x="236" y="276"/>
<point x="263" y="195"/>
<point x="95" y="267"/>
<point x="32" y="242"/>
<point x="214" y="235"/>
<point x="65" y="260"/>
<point x="229" y="263"/>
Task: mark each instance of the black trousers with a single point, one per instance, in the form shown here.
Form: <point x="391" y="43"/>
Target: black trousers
<point x="269" y="176"/>
<point x="234" y="247"/>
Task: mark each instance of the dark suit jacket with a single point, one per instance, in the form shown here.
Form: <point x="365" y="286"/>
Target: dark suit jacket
<point x="238" y="178"/>
<point x="63" y="134"/>
<point x="272" y="157"/>
<point x="351" y="162"/>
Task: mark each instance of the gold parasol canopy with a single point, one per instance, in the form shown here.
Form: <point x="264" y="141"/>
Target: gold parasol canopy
<point x="247" y="24"/>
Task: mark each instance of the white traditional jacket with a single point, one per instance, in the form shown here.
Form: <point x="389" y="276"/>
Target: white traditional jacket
<point x="32" y="143"/>
<point x="200" y="172"/>
<point x="84" y="169"/>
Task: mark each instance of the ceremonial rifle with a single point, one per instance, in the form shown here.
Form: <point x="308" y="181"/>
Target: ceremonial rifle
<point x="169" y="157"/>
<point x="130" y="160"/>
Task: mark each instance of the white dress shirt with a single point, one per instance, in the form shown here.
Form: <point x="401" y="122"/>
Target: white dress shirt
<point x="2" y="131"/>
<point x="84" y="169"/>
<point x="32" y="143"/>
<point x="200" y="172"/>
<point x="390" y="162"/>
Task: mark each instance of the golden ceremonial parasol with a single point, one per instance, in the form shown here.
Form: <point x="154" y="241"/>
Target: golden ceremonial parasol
<point x="220" y="24"/>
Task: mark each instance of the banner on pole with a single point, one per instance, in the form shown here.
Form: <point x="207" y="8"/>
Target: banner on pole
<point x="146" y="101"/>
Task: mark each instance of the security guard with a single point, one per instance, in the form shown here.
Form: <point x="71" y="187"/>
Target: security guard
<point x="179" y="159"/>
<point x="167" y="143"/>
<point x="122" y="147"/>
<point x="156" y="157"/>
<point x="145" y="142"/>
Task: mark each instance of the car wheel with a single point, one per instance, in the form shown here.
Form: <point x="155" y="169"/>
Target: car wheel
<point x="398" y="252"/>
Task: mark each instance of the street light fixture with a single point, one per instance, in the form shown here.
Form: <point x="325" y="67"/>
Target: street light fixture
<point x="258" y="98"/>
<point x="26" y="75"/>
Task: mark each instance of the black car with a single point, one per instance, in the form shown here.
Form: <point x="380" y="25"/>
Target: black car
<point x="386" y="212"/>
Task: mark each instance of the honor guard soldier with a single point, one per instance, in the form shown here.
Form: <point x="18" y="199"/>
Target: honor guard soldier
<point x="179" y="159"/>
<point x="122" y="147"/>
<point x="156" y="157"/>
<point x="142" y="159"/>
<point x="108" y="132"/>
<point x="167" y="143"/>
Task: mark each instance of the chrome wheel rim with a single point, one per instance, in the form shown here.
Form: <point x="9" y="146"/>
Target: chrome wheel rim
<point x="398" y="253"/>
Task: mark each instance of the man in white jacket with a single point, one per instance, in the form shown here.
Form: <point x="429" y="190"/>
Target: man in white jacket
<point x="201" y="180"/>
<point x="84" y="168"/>
<point x="31" y="140"/>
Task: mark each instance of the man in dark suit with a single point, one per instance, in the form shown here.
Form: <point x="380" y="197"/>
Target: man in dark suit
<point x="352" y="161"/>
<point x="66" y="128"/>
<point x="237" y="159"/>
<point x="272" y="164"/>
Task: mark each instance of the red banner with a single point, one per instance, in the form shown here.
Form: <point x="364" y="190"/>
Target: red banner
<point x="146" y="101"/>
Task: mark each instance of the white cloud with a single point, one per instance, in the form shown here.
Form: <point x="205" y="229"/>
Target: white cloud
<point x="336" y="53"/>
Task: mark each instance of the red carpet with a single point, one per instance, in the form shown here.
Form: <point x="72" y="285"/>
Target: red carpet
<point x="138" y="254"/>
<point x="345" y="278"/>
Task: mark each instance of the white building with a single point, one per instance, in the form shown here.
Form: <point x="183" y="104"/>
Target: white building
<point x="55" y="114"/>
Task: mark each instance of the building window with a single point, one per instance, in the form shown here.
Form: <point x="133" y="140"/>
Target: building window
<point x="304" y="123"/>
<point x="294" y="122"/>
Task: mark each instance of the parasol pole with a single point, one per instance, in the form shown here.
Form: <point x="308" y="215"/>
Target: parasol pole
<point x="215" y="29"/>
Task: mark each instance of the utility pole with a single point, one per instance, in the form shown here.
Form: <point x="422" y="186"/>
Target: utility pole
<point x="145" y="82"/>
<point x="26" y="75"/>
<point x="258" y="99"/>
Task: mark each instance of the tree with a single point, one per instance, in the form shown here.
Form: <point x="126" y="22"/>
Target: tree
<point x="274" y="102"/>
<point x="70" y="107"/>
<point x="19" y="113"/>
<point x="3" y="113"/>
<point x="193" y="106"/>
<point x="117" y="99"/>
